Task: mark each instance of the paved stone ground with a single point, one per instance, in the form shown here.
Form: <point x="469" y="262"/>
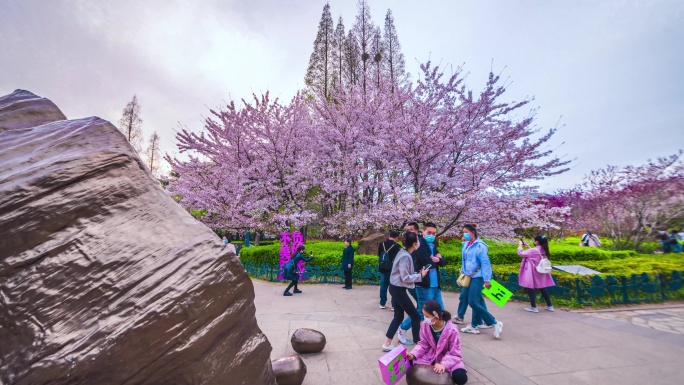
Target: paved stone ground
<point x="545" y="348"/>
<point x="667" y="319"/>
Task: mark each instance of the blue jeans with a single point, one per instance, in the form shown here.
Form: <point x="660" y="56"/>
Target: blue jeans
<point x="424" y="295"/>
<point x="463" y="303"/>
<point x="384" y="285"/>
<point x="476" y="302"/>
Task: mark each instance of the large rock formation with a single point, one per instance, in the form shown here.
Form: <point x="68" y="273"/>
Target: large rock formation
<point x="104" y="279"/>
<point x="371" y="241"/>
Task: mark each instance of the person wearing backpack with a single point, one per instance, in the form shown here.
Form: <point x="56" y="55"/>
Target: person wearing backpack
<point x="590" y="239"/>
<point x="387" y="251"/>
<point x="535" y="272"/>
<point x="290" y="270"/>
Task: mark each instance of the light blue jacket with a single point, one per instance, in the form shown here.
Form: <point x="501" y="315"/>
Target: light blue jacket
<point x="476" y="255"/>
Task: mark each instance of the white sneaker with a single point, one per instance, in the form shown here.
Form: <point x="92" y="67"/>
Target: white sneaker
<point x="549" y="308"/>
<point x="498" y="328"/>
<point x="388" y="348"/>
<point x="402" y="336"/>
<point x="470" y="329"/>
<point x="532" y="309"/>
<point x="382" y="306"/>
<point x="484" y="326"/>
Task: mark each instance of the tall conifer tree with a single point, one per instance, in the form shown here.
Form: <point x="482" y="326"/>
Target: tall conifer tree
<point x="338" y="53"/>
<point x="394" y="59"/>
<point x="318" y="75"/>
<point x="363" y="32"/>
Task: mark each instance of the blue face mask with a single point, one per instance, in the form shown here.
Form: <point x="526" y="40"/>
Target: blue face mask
<point x="430" y="238"/>
<point x="466" y="236"/>
<point x="225" y="241"/>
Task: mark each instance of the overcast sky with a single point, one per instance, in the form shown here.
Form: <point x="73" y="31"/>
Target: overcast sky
<point x="609" y="71"/>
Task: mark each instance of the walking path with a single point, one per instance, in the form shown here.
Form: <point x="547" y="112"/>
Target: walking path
<point x="545" y="348"/>
<point x="666" y="318"/>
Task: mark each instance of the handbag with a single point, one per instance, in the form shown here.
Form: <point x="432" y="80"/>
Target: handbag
<point x="464" y="279"/>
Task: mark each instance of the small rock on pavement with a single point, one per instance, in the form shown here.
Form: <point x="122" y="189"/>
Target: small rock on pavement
<point x="425" y="375"/>
<point x="289" y="370"/>
<point x="305" y="341"/>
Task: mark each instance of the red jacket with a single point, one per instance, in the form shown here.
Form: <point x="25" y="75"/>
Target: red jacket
<point x="446" y="352"/>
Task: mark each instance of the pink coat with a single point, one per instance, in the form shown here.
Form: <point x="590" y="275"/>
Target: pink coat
<point x="529" y="277"/>
<point x="447" y="352"/>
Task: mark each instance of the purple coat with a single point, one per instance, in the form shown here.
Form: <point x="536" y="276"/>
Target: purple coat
<point x="446" y="352"/>
<point x="529" y="277"/>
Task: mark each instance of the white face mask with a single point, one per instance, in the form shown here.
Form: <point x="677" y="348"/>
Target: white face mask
<point x="429" y="320"/>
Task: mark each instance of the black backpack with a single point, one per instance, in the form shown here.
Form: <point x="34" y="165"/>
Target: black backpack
<point x="384" y="263"/>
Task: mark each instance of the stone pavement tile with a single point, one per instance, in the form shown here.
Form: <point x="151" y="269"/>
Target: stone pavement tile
<point x="580" y="359"/>
<point x="342" y="345"/>
<point x="281" y="334"/>
<point x="341" y="332"/>
<point x="477" y="360"/>
<point x="299" y="324"/>
<point x="273" y="325"/>
<point x="651" y="352"/>
<point x="315" y="363"/>
<point x="374" y="342"/>
<point x="338" y="361"/>
<point x="474" y="376"/>
<point x="356" y="376"/>
<point x="527" y="365"/>
<point x="362" y="331"/>
<point x="587" y="377"/>
<point x="504" y="346"/>
<point x="505" y="375"/>
<point x="317" y="379"/>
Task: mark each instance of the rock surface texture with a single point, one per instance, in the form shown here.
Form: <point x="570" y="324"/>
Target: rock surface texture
<point x="104" y="279"/>
<point x="289" y="370"/>
<point x="424" y="375"/>
<point x="371" y="241"/>
<point x="305" y="341"/>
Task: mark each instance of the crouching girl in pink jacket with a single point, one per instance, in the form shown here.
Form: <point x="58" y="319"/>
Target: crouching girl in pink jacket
<point x="440" y="344"/>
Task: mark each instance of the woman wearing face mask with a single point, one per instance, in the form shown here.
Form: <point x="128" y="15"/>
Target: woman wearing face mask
<point x="530" y="278"/>
<point x="476" y="264"/>
<point x="440" y="344"/>
<point x="402" y="278"/>
<point x="228" y="246"/>
<point x="290" y="270"/>
<point x="463" y="298"/>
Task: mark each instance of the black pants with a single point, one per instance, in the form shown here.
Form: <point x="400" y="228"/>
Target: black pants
<point x="293" y="283"/>
<point x="459" y="376"/>
<point x="532" y="293"/>
<point x="347" y="278"/>
<point x="403" y="305"/>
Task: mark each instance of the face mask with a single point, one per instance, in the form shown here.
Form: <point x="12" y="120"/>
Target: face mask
<point x="466" y="236"/>
<point x="430" y="238"/>
<point x="225" y="241"/>
<point x="429" y="320"/>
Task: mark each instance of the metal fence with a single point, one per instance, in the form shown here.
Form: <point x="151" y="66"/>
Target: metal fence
<point x="594" y="290"/>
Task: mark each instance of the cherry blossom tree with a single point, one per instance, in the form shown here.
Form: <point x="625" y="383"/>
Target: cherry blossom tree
<point x="631" y="203"/>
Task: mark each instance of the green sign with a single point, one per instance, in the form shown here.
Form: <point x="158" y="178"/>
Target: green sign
<point x="497" y="293"/>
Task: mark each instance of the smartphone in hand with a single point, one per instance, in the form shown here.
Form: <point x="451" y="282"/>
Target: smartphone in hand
<point x="428" y="266"/>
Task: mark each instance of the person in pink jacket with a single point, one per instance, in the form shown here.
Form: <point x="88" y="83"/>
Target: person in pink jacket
<point x="529" y="277"/>
<point x="440" y="344"/>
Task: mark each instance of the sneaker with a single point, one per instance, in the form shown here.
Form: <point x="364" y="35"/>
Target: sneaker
<point x="498" y="328"/>
<point x="392" y="308"/>
<point x="531" y="309"/>
<point x="382" y="306"/>
<point x="549" y="308"/>
<point x="457" y="320"/>
<point x="470" y="329"/>
<point x="344" y="287"/>
<point x="402" y="336"/>
<point x="297" y="291"/>
<point x="287" y="294"/>
<point x="388" y="348"/>
<point x="484" y="326"/>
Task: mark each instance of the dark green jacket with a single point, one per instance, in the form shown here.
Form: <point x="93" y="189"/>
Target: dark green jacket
<point x="347" y="258"/>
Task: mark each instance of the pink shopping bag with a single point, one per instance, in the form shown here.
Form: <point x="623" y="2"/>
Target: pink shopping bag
<point x="393" y="365"/>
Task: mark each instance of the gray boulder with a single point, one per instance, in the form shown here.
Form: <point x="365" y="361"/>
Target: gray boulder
<point x="105" y="279"/>
<point x="425" y="375"/>
<point x="305" y="341"/>
<point x="289" y="370"/>
<point x="371" y="241"/>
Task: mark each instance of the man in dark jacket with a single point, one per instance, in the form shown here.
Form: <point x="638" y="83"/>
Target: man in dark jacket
<point x="347" y="264"/>
<point x="391" y="248"/>
<point x="429" y="287"/>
